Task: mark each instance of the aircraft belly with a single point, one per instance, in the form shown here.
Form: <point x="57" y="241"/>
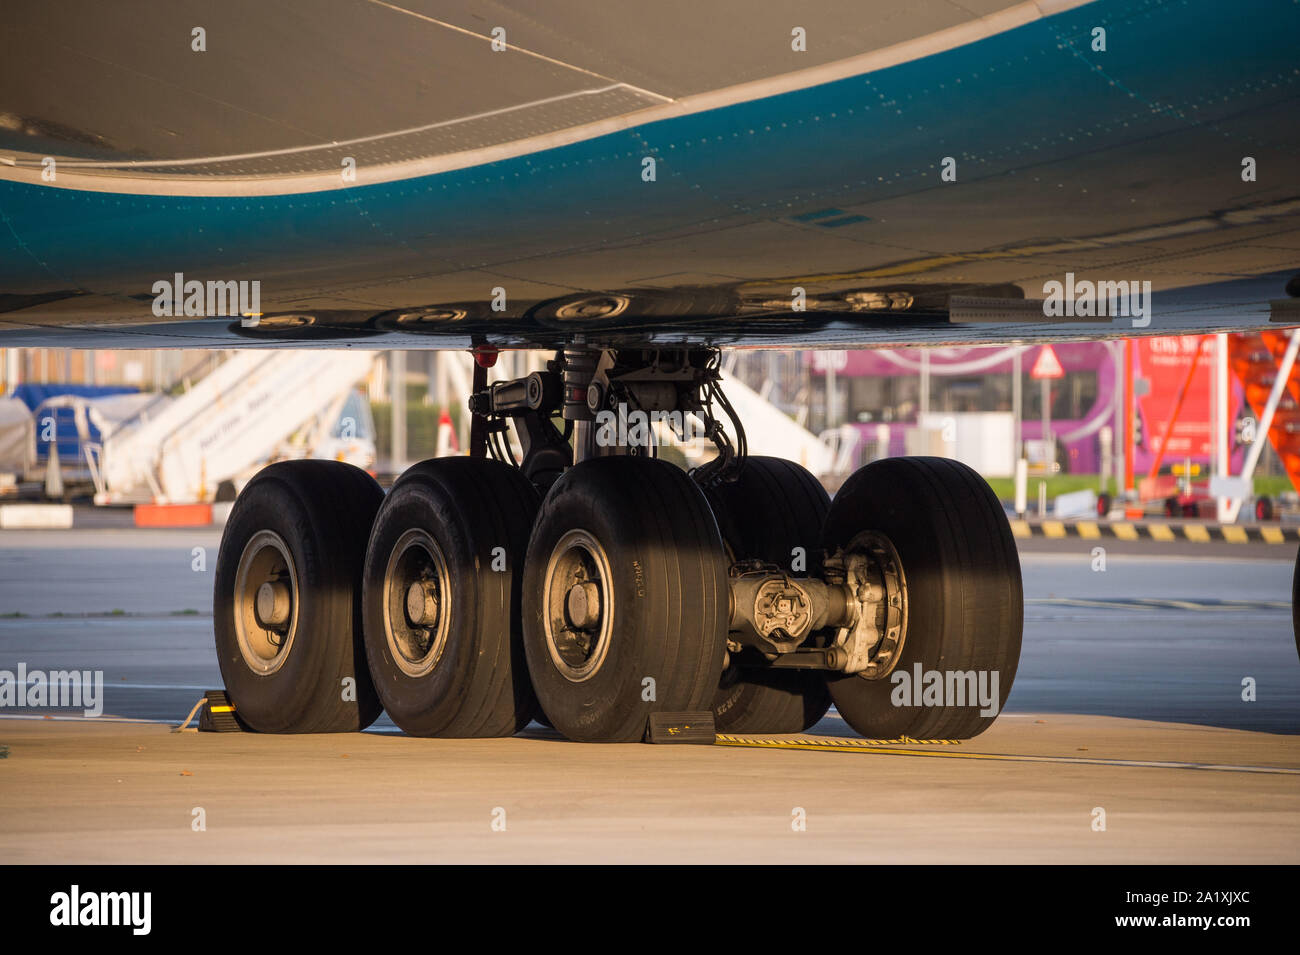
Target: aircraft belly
<point x="1116" y="166"/>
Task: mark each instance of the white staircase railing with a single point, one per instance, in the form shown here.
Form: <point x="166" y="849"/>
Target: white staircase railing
<point x="226" y="424"/>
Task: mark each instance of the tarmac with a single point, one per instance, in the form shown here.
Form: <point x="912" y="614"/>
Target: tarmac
<point x="1129" y="712"/>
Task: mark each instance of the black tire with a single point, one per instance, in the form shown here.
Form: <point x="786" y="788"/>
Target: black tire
<point x="1172" y="507"/>
<point x="773" y="507"/>
<point x="321" y="512"/>
<point x="965" y="603"/>
<point x="1263" y="508"/>
<point x="663" y="599"/>
<point x="474" y="682"/>
<point x="1103" y="504"/>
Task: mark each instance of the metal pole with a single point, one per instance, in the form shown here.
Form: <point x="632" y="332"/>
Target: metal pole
<point x="397" y="384"/>
<point x="1222" y="462"/>
<point x="1049" y="451"/>
<point x="925" y="383"/>
<point x="832" y="412"/>
<point x="1121" y="450"/>
<point x="1017" y="400"/>
<point x="13" y="372"/>
<point x="1130" y="449"/>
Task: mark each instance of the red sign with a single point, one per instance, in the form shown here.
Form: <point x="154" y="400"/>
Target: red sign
<point x="1047" y="365"/>
<point x="1164" y="362"/>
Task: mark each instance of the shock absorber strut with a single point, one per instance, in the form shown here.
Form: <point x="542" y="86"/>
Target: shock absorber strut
<point x="579" y="369"/>
<point x="484" y="358"/>
<point x="580" y="364"/>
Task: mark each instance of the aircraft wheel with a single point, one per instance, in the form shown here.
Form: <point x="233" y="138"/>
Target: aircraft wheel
<point x="957" y="572"/>
<point x="626" y="599"/>
<point x="774" y="507"/>
<point x="286" y="603"/>
<point x="440" y="598"/>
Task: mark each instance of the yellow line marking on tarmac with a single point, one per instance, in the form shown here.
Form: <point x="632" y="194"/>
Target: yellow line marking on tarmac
<point x="1053" y="529"/>
<point x="1160" y="532"/>
<point x="821" y="742"/>
<point x="1196" y="532"/>
<point x="1272" y="535"/>
<point x="1236" y="535"/>
<point x="1021" y="529"/>
<point x="1125" y="531"/>
<point x="1089" y="529"/>
<point x="843" y="745"/>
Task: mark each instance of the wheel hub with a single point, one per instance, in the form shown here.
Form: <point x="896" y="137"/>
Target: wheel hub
<point x="422" y="603"/>
<point x="577" y="609"/>
<point x="582" y="605"/>
<point x="274" y="602"/>
<point x="266" y="602"/>
<point x="417" y="593"/>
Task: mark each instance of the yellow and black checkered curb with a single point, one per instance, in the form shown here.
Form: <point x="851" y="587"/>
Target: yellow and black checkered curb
<point x="1156" y="531"/>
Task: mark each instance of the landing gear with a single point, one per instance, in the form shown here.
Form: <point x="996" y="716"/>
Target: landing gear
<point x="590" y="582"/>
<point x="625" y="599"/>
<point x="440" y="597"/>
<point x="286" y="606"/>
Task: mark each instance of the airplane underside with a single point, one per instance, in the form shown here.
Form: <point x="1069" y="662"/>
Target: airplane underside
<point x="926" y="191"/>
